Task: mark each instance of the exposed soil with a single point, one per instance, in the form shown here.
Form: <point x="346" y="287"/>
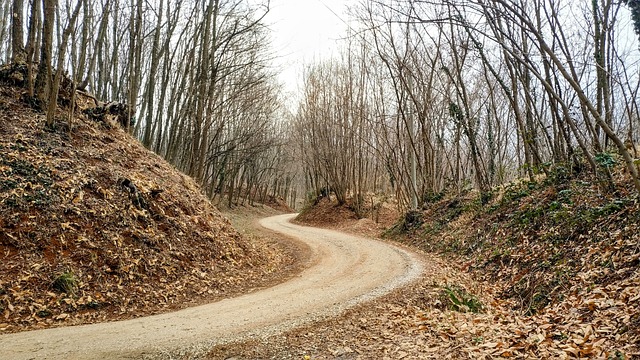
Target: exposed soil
<point x="413" y="322"/>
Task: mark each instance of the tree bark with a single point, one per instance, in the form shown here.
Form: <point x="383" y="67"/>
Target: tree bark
<point x="53" y="97"/>
<point x="17" y="29"/>
<point x="43" y="79"/>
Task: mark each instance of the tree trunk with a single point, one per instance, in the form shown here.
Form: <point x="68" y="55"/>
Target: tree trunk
<point x="97" y="48"/>
<point x="53" y="97"/>
<point x="151" y="81"/>
<point x="32" y="47"/>
<point x="17" y="29"/>
<point x="43" y="80"/>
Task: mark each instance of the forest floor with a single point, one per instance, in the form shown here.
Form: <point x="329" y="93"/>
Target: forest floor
<point x="340" y="271"/>
<point x="96" y="228"/>
<point x="546" y="269"/>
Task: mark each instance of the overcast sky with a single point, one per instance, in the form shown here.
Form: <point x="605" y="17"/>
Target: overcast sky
<point x="305" y="31"/>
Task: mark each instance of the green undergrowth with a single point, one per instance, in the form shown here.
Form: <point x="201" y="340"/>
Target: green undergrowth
<point x="66" y="282"/>
<point x="457" y="298"/>
<point x="534" y="239"/>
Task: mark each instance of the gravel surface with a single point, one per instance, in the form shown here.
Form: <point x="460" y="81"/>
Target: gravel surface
<point x="344" y="270"/>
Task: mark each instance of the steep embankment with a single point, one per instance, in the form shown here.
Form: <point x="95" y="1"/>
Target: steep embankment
<point x="562" y="252"/>
<point x="557" y="261"/>
<point x="94" y="227"/>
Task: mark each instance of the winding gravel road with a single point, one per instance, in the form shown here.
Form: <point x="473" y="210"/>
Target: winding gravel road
<point x="344" y="271"/>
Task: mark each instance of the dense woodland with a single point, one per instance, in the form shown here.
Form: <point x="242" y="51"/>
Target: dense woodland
<point x="426" y="96"/>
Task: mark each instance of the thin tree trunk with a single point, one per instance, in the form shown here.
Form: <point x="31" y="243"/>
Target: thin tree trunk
<point x="32" y="45"/>
<point x="53" y="97"/>
<point x="43" y="79"/>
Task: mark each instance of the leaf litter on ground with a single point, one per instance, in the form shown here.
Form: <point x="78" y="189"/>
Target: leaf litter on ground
<point x="133" y="235"/>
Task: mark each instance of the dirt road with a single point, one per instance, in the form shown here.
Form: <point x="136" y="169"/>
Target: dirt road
<point x="344" y="271"/>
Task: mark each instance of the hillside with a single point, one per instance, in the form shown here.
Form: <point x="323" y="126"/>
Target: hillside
<point x="94" y="227"/>
<point x="555" y="264"/>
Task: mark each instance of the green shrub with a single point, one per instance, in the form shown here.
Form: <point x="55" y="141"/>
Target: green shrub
<point x="66" y="283"/>
<point x="516" y="191"/>
<point x="605" y="160"/>
<point x="458" y="299"/>
<point x="610" y="208"/>
<point x="432" y="197"/>
<point x="564" y="196"/>
<point x="558" y="174"/>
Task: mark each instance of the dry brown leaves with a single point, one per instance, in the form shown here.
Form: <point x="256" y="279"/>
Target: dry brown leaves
<point x="380" y="214"/>
<point x="593" y="289"/>
<point x="133" y="234"/>
<point x="413" y="323"/>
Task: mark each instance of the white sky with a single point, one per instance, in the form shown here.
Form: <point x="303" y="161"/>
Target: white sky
<point x="304" y="31"/>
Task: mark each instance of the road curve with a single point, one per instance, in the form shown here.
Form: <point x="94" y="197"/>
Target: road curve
<point x="344" y="271"/>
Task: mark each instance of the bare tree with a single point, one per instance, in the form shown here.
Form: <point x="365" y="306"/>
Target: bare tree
<point x="43" y="79"/>
<point x="17" y="31"/>
<point x="55" y="85"/>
